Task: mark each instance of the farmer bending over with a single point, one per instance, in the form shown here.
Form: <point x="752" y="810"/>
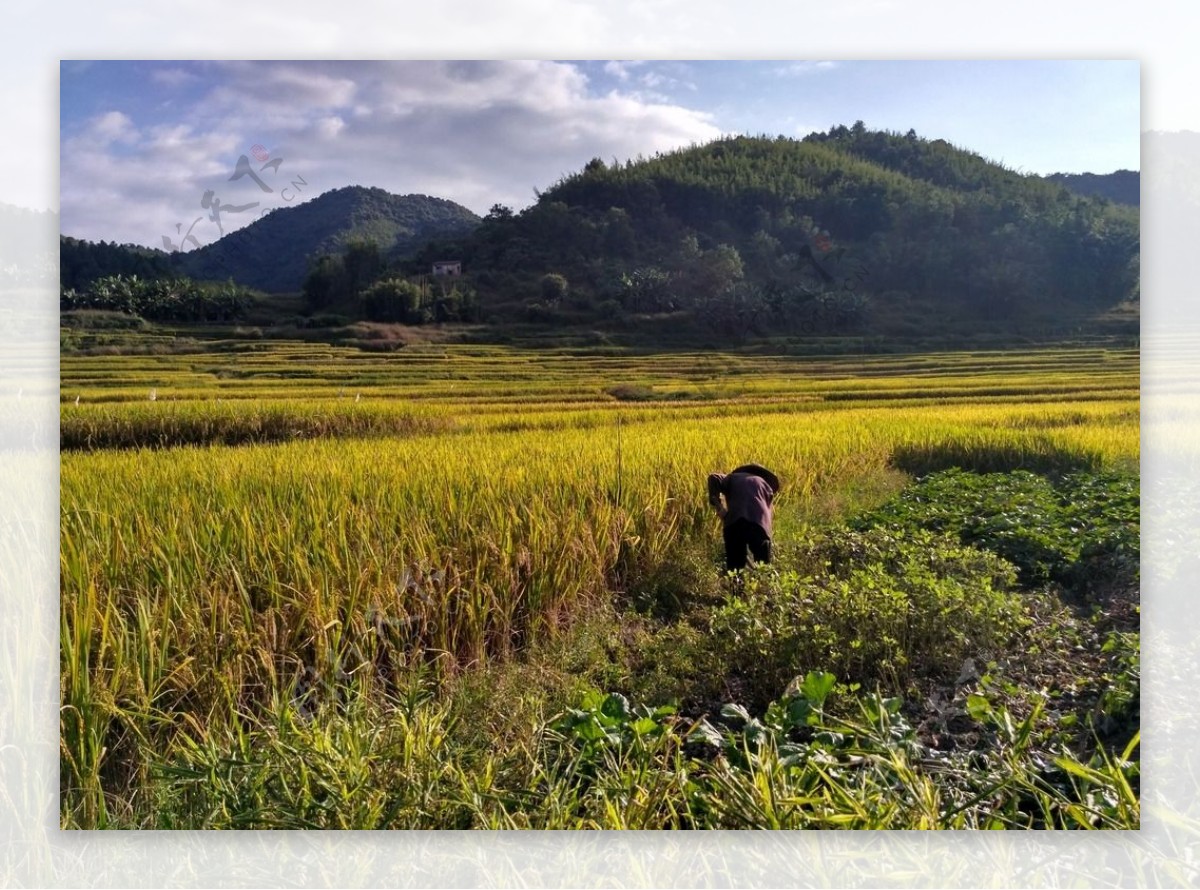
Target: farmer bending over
<point x="748" y="493"/>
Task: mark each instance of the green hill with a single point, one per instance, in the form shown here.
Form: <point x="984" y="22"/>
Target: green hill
<point x="274" y="252"/>
<point x="830" y="233"/>
<point x="1122" y="186"/>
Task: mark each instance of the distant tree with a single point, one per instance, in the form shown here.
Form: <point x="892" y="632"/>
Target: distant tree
<point x="712" y="273"/>
<point x="363" y="264"/>
<point x="620" y="240"/>
<point x="723" y="267"/>
<point x="447" y="306"/>
<point x="393" y="300"/>
<point x="763" y="253"/>
<point x="688" y="251"/>
<point x="554" y="288"/>
<point x="466" y="301"/>
<point x="326" y="283"/>
<point x="646" y="289"/>
<point x="735" y="312"/>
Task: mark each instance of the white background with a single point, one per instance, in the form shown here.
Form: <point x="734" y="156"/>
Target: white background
<point x="32" y="850"/>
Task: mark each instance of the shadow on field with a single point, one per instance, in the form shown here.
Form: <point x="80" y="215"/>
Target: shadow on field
<point x="1037" y="456"/>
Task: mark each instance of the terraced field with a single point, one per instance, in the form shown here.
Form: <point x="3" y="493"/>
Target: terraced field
<point x="265" y="546"/>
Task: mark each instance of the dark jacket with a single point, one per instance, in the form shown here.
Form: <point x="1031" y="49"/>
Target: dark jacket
<point x="747" y="496"/>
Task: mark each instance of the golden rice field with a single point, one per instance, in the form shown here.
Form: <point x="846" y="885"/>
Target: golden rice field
<point x="453" y="506"/>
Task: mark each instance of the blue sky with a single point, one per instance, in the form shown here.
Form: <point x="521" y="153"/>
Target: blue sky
<point x="143" y="142"/>
<point x="1040" y="116"/>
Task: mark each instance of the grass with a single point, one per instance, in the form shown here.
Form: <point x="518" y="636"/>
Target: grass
<point x="357" y="590"/>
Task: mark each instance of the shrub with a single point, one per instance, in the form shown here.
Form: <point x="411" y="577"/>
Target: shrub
<point x="1080" y="530"/>
<point x="880" y="607"/>
<point x="393" y="300"/>
<point x="325" y="320"/>
<point x="541" y="313"/>
<point x="632" y="392"/>
<point x="99" y="320"/>
<point x="609" y="309"/>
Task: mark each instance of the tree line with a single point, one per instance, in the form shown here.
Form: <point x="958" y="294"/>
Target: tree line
<point x="160" y="299"/>
<point x="83" y="262"/>
<point x="360" y="282"/>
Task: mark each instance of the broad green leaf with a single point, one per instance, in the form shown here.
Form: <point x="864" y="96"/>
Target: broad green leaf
<point x="616" y="706"/>
<point x="643" y="726"/>
<point x="978" y="707"/>
<point x="817" y="686"/>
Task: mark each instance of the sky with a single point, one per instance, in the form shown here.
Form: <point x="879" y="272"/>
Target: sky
<point x="149" y="149"/>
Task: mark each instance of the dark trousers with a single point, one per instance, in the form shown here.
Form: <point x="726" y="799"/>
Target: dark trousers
<point x="740" y="535"/>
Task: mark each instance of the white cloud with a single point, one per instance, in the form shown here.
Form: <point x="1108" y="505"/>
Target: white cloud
<point x="653" y="79"/>
<point x="621" y="70"/>
<point x="649" y="97"/>
<point x="169" y="137"/>
<point x="112" y="126"/>
<point x="478" y="133"/>
<point x="173" y="77"/>
<point x="329" y="127"/>
<point x="302" y="86"/>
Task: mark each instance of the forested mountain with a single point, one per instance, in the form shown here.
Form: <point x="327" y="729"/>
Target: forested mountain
<point x="1122" y="186"/>
<point x="274" y="253"/>
<point x="773" y="233"/>
<point x="82" y="262"/>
